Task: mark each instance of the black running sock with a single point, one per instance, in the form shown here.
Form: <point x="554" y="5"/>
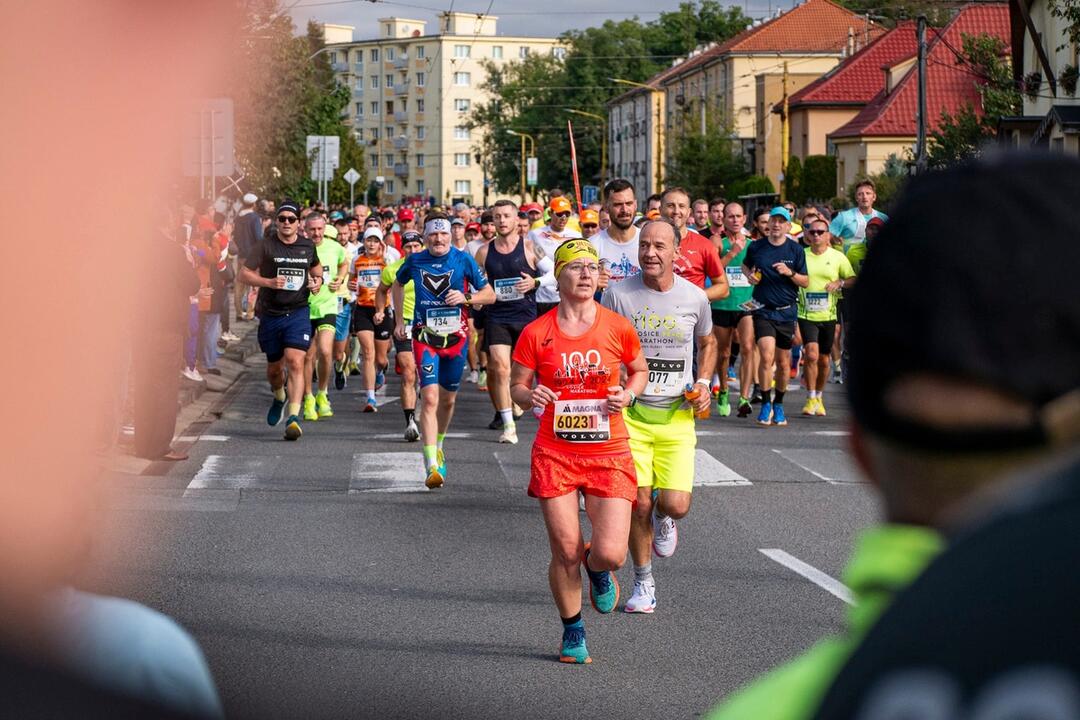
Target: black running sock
<point x="779" y="395"/>
<point x="767" y="396"/>
<point x="571" y="620"/>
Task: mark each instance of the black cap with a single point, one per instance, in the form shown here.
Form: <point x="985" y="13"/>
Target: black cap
<point x="291" y="205"/>
<point x="411" y="236"/>
<point x="974" y="278"/>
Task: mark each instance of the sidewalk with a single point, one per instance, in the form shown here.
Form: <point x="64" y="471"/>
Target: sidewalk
<point x="197" y="402"/>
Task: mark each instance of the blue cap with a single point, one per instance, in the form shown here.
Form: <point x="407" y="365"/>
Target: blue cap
<point x="781" y="211"/>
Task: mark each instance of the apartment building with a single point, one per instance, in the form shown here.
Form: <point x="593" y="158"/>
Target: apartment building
<point x="412" y="94"/>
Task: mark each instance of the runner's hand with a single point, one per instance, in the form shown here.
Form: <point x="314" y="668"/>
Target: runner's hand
<point x="378" y="317"/>
<point x="738" y="243"/>
<point x="834" y="286"/>
<point x="605" y="276"/>
<point x="542" y="396"/>
<point x="354" y="285"/>
<point x="399" y="331"/>
<point x="617" y="398"/>
<point x="525" y="284"/>
<point x="278" y="283"/>
<point x="335" y="284"/>
<point x="754" y="277"/>
<point x="779" y="267"/>
<point x="703" y="400"/>
<point x="455" y="297"/>
<point x="315" y="282"/>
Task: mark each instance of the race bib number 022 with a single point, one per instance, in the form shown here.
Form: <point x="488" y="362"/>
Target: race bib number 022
<point x="582" y="421"/>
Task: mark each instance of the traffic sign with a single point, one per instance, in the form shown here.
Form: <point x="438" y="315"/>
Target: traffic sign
<point x="329" y="145"/>
<point x="589" y="194"/>
<point x="351" y="176"/>
<point x="532" y="171"/>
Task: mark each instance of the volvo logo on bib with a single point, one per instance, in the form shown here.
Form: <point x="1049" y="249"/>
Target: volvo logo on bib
<point x="437" y="284"/>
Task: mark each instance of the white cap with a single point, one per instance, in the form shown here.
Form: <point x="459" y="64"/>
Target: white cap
<point x="250" y="199"/>
<point x="373" y="232"/>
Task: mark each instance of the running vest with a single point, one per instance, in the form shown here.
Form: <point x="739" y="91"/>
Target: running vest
<point x="504" y="272"/>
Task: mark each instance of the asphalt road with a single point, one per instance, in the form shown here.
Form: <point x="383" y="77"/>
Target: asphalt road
<point x="323" y="580"/>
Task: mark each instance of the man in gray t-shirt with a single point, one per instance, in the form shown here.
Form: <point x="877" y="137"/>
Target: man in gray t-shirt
<point x="672" y="316"/>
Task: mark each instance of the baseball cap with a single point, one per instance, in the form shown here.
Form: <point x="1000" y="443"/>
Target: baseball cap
<point x="652" y="215"/>
<point x="457" y="221"/>
<point x="559" y="205"/>
<point x="876" y="222"/>
<point x="411" y="236"/>
<point x="373" y="232"/>
<point x="290" y="205"/>
<point x="589" y="217"/>
<point x="249" y="198"/>
<point x="780" y="211"/>
<point x="460" y="207"/>
<point x="970" y="330"/>
<point x="405" y="214"/>
<point x="532" y="207"/>
<point x="336" y="215"/>
<point x="472" y="226"/>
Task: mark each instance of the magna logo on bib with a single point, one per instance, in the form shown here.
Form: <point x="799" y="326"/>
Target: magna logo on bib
<point x="436" y="284"/>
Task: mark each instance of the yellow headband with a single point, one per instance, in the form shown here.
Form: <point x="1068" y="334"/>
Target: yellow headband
<point x="572" y="250"/>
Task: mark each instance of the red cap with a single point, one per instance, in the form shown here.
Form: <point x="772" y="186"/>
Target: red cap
<point x="532" y="207"/>
<point x="472" y="226"/>
<point x="405" y="214"/>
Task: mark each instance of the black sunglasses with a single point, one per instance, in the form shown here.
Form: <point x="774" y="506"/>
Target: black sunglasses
<point x="562" y="214"/>
<point x="816" y="232"/>
<point x="287" y="219"/>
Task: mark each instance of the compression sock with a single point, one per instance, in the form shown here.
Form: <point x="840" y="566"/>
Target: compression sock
<point x="409" y="413"/>
<point x="370" y="394"/>
<point x="439" y="440"/>
<point x="279" y="394"/>
<point x="779" y="395"/>
<point x="571" y="620"/>
<point x="430" y="452"/>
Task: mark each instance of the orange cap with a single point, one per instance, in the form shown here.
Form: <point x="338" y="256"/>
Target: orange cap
<point x="589" y="217"/>
<point x="653" y="215"/>
<point x="559" y="205"/>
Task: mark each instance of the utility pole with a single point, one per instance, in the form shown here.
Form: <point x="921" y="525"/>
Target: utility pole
<point x="785" y="144"/>
<point x="920" y="143"/>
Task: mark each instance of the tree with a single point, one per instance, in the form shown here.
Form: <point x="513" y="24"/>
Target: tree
<point x="708" y="163"/>
<point x="818" y="178"/>
<point x="963" y="134"/>
<point x="887" y="184"/>
<point x="793" y="180"/>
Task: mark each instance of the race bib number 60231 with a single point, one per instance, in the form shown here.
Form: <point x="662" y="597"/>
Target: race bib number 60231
<point x="582" y="421"/>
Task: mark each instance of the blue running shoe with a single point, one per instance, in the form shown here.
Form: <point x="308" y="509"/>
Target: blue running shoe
<point x="380" y="379"/>
<point x="573" y="645"/>
<point x="778" y="416"/>
<point x="603" y="586"/>
<point x="273" y="417"/>
<point x="731" y="373"/>
<point x="765" y="416"/>
<point x="292" y="428"/>
<point x="440" y="459"/>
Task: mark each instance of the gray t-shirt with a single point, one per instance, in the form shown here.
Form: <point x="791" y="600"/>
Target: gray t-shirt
<point x="668" y="325"/>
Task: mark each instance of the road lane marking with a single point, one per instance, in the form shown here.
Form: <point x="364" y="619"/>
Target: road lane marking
<point x="833" y="433"/>
<point x="221" y="472"/>
<point x="208" y="438"/>
<point x="710" y="472"/>
<point x="400" y="436"/>
<point x="835" y="466"/>
<point x="387" y="473"/>
<point x="827" y="583"/>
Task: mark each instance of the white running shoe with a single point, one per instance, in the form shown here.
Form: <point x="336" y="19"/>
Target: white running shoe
<point x="665" y="536"/>
<point x="193" y="374"/>
<point x="643" y="600"/>
<point x="509" y="435"/>
<point x="412" y="433"/>
<point x="230" y="337"/>
<point x="473" y="375"/>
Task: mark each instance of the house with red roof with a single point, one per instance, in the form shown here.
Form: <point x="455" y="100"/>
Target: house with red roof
<point x="887" y="125"/>
<point x="806" y="41"/>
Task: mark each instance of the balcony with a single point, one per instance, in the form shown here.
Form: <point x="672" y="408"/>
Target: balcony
<point x="339" y="67"/>
<point x="358" y="68"/>
<point x="358" y="120"/>
<point x="401" y="142"/>
<point x="400" y="116"/>
<point x="401" y="170"/>
<point x="401" y="88"/>
<point x="401" y="62"/>
<point x="358" y="92"/>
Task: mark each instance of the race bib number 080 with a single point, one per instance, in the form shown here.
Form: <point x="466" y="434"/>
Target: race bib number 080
<point x="582" y="421"/>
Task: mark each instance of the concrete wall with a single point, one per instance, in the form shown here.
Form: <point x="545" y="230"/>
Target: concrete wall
<point x="865" y="156"/>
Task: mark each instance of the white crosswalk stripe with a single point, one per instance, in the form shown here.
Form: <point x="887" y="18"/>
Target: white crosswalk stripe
<point x="710" y="472"/>
<point x="231" y="472"/>
<point x="387" y="472"/>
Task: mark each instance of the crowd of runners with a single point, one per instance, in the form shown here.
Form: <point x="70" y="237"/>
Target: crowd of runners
<point x="619" y="328"/>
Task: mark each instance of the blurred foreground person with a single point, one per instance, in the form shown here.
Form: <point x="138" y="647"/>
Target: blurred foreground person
<point x="968" y="455"/>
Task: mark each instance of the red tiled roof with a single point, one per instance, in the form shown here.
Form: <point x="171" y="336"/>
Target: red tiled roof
<point x="859" y="77"/>
<point x="949" y="85"/>
<point x="814" y="26"/>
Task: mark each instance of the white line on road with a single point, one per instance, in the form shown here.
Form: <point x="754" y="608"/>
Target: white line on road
<point x="800" y="465"/>
<point x="837" y="465"/>
<point x="832" y="433"/>
<point x="710" y="472"/>
<point x="229" y="473"/>
<point x="208" y="438"/>
<point x="399" y="436"/>
<point x="387" y="472"/>
<point x="829" y="584"/>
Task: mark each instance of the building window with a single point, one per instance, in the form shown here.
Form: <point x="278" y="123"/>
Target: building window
<point x="374" y="160"/>
<point x="374" y="133"/>
<point x="420" y="160"/>
<point x="462" y="51"/>
<point x="389" y="81"/>
<point x="496" y="52"/>
<point x="360" y="109"/>
<point x="523" y="52"/>
<point x="461" y="104"/>
<point x="419" y="105"/>
<point x="359" y="57"/>
<point x="373" y="55"/>
<point x="375" y="107"/>
<point x="389" y="54"/>
<point x="333" y="57"/>
<point x="461" y="133"/>
<point x="360" y="133"/>
<point x="389" y="160"/>
<point x="462" y="79"/>
<point x="419" y="79"/>
<point x="462" y="187"/>
<point x="558" y="53"/>
<point x="389" y="31"/>
<point x="390" y="187"/>
<point x="389" y="107"/>
<point x="461" y="159"/>
<point x="421" y="132"/>
<point x="420" y="187"/>
<point x="420" y="51"/>
<point x="374" y="82"/>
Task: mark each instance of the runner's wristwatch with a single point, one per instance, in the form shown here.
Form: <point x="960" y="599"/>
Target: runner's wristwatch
<point x="633" y="398"/>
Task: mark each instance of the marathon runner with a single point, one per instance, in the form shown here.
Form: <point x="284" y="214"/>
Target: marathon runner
<point x="728" y="316"/>
<point x="373" y="325"/>
<point x="776" y="267"/>
<point x="590" y="223"/>
<point x="457" y="234"/>
<point x="700" y="216"/>
<point x="439" y="332"/>
<point x="548" y="238"/>
<point x="850" y="225"/>
<point x="324" y="305"/>
<point x="346" y="298"/>
<point x="286" y="269"/>
<point x="669" y="314"/>
<point x="697" y="258"/>
<point x="829" y="271"/>
<point x="511" y="265"/>
<point x="411" y="242"/>
<point x="574" y="355"/>
<point x="618" y="245"/>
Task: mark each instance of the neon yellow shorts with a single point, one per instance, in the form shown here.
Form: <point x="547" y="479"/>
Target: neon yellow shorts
<point x="664" y="454"/>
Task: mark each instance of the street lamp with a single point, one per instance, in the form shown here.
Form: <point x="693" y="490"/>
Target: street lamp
<point x="603" y="140"/>
<point x="531" y="140"/>
<point x="659" y="127"/>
